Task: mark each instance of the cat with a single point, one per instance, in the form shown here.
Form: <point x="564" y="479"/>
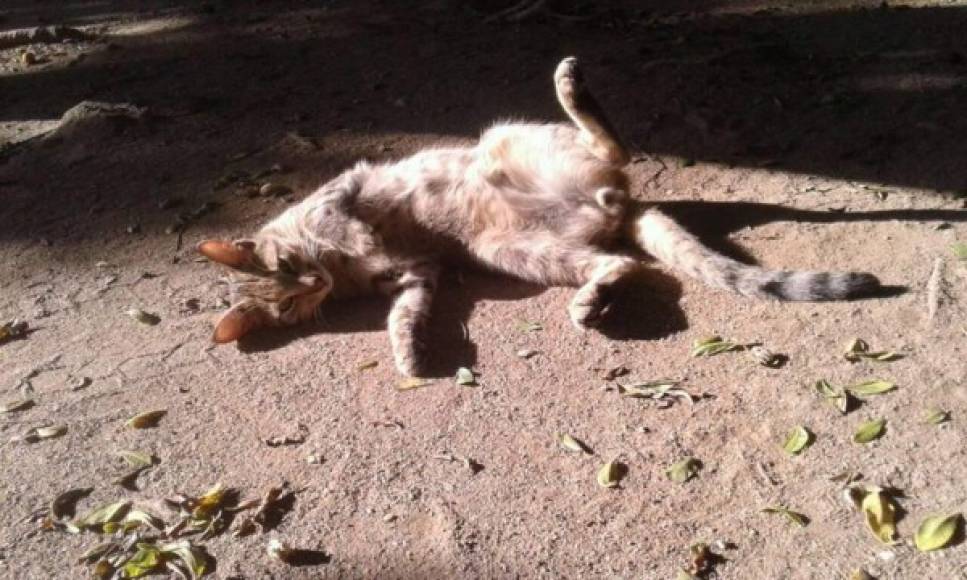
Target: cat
<point x="547" y="203"/>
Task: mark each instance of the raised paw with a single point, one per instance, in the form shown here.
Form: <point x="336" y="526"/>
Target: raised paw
<point x="568" y="79"/>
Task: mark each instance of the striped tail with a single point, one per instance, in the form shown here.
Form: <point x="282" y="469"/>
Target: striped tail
<point x="672" y="245"/>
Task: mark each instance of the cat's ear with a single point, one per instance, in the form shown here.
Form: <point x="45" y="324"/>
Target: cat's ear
<point x="238" y="321"/>
<point x="237" y="254"/>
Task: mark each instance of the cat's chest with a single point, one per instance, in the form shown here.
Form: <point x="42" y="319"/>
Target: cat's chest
<point x="354" y="276"/>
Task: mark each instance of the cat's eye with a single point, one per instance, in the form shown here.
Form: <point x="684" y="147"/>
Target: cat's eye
<point x="286" y="304"/>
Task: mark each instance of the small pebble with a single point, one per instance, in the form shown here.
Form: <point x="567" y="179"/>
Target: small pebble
<point x="270" y="189"/>
<point x="388" y="518"/>
<point x="313" y="460"/>
<point x="28" y="58"/>
<point x="526" y="353"/>
<point x="80" y="383"/>
<point x="886" y="555"/>
<point x="133" y="229"/>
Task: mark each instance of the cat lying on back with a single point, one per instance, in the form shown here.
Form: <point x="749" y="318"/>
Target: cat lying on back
<point x="545" y="203"/>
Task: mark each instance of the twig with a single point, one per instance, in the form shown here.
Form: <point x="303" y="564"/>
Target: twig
<point x="934" y="289"/>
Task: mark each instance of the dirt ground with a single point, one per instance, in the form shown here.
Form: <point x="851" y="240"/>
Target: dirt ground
<point x="822" y="135"/>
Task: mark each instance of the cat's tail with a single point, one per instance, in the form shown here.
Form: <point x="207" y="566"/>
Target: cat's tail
<point x="672" y="245"/>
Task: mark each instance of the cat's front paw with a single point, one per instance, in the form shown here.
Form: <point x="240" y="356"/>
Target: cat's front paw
<point x="587" y="309"/>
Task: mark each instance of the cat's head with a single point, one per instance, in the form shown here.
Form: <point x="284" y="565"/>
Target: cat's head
<point x="273" y="284"/>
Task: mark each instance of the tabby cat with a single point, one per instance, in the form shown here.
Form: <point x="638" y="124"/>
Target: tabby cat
<point x="547" y="203"/>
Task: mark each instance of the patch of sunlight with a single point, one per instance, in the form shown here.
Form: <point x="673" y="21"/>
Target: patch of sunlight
<point x="12" y="132"/>
<point x="152" y="26"/>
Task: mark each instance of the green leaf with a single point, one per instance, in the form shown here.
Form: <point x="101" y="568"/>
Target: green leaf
<point x="683" y="470"/>
<point x="146" y="420"/>
<point x="193" y="557"/>
<point x="572" y="444"/>
<point x="97" y="518"/>
<point x="794" y="517"/>
<point x="137" y="458"/>
<point x="872" y="387"/>
<point x="18" y="405"/>
<point x="937" y="416"/>
<point x="960" y="250"/>
<point x="799" y="438"/>
<point x="527" y="326"/>
<point x="143" y="517"/>
<point x="936" y="532"/>
<point x="880" y="513"/>
<point x="712" y="346"/>
<point x="611" y="473"/>
<point x="465" y="377"/>
<point x="869" y="430"/>
<point x="146" y="560"/>
<point x="842" y="401"/>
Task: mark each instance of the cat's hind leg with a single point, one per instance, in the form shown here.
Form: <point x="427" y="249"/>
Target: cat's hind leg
<point x="597" y="132"/>
<point x="548" y="260"/>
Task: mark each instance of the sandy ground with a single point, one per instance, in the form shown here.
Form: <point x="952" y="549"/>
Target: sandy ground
<point x="826" y="136"/>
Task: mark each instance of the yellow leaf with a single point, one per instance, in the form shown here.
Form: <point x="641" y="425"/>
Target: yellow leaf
<point x="146" y="420"/>
<point x="572" y="444"/>
<point x="611" y="473"/>
<point x="873" y="387"/>
<point x="936" y="532"/>
<point x="869" y="430"/>
<point x="799" y="438"/>
<point x="880" y="513"/>
<point x="683" y="470"/>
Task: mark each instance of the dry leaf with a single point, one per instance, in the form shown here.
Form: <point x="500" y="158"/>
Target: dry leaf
<point x="869" y="430"/>
<point x="880" y="513"/>
<point x="936" y="532"/>
<point x="365" y="366"/>
<point x="937" y="416"/>
<point x="146" y="420"/>
<point x="410" y="383"/>
<point x="40" y="433"/>
<point x="683" y="470"/>
<point x="764" y="356"/>
<point x="97" y="518"/>
<point x="278" y="550"/>
<point x="794" y="517"/>
<point x="611" y="473"/>
<point x="18" y="405"/>
<point x="194" y="558"/>
<point x="799" y="438"/>
<point x="143" y="317"/>
<point x="572" y="444"/>
<point x="713" y="345"/>
<point x="860" y="574"/>
<point x="872" y="387"/>
<point x="465" y="377"/>
<point x="137" y="458"/>
<point x="526" y="326"/>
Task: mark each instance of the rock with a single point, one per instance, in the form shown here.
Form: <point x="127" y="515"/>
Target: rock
<point x="270" y="189"/>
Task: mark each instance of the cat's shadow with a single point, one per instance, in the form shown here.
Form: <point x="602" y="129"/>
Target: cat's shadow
<point x="644" y="307"/>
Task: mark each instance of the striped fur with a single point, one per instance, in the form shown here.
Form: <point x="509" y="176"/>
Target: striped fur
<point x="547" y="203"/>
